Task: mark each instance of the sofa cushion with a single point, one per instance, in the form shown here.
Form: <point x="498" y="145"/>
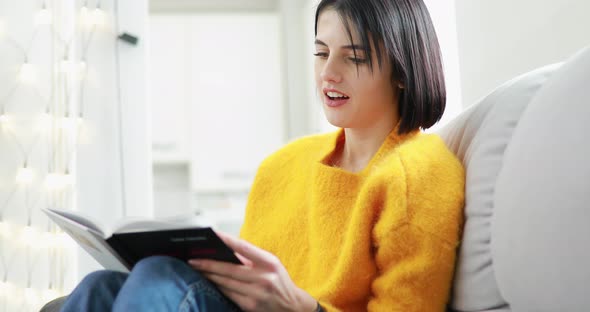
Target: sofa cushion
<point x="541" y="223"/>
<point x="479" y="137"/>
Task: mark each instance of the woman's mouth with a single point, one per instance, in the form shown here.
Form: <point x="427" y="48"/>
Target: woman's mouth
<point x="335" y="98"/>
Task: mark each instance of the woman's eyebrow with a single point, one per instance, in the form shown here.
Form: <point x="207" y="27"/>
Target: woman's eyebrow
<point x="345" y="47"/>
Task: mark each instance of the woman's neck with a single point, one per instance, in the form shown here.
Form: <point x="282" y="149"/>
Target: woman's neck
<point x="361" y="144"/>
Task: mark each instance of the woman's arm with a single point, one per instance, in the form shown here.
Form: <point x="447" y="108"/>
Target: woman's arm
<point x="261" y="284"/>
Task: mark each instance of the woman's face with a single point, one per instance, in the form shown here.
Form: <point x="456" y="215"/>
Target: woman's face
<point x="353" y="97"/>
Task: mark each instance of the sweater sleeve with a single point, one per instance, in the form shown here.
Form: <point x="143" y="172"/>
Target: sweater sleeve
<point x="417" y="235"/>
<point x="415" y="271"/>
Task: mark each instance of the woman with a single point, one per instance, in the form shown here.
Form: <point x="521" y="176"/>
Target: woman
<point x="364" y="219"/>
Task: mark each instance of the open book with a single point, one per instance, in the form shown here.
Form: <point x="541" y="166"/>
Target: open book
<point x="129" y="240"/>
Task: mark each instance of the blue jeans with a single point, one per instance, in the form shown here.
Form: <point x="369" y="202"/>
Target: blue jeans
<point x="155" y="284"/>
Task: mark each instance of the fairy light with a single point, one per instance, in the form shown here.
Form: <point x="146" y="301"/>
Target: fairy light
<point x="7" y="289"/>
<point x="85" y="16"/>
<point x="45" y="122"/>
<point x="24" y="175"/>
<point x="98" y="17"/>
<point x="28" y="73"/>
<point x="6" y="230"/>
<point x="4" y="121"/>
<point x="29" y="235"/>
<point x="43" y="17"/>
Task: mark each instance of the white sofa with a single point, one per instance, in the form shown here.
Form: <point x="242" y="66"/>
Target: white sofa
<point x="526" y="150"/>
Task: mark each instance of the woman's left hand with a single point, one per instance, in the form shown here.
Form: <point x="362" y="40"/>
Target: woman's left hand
<point x="261" y="284"/>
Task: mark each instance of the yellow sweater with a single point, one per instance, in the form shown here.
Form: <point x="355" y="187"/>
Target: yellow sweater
<point x="383" y="239"/>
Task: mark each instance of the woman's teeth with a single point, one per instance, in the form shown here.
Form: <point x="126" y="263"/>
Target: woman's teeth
<point x="336" y="95"/>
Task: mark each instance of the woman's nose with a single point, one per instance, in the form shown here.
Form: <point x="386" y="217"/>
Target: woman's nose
<point x="330" y="72"/>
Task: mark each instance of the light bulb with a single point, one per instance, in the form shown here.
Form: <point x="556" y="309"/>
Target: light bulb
<point x="29" y="235"/>
<point x="28" y="73"/>
<point x="67" y="66"/>
<point x="44" y="125"/>
<point x="6" y="231"/>
<point x="43" y="17"/>
<point x="98" y="17"/>
<point x="24" y="175"/>
<point x="7" y="289"/>
<point x="4" y="121"/>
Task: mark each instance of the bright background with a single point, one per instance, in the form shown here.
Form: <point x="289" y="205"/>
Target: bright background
<point x="179" y="122"/>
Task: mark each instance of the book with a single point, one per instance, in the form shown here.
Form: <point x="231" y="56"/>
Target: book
<point x="120" y="246"/>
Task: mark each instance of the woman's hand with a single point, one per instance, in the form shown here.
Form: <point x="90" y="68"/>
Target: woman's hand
<point x="261" y="284"/>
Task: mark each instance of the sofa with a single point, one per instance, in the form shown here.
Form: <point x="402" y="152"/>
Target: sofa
<point x="526" y="150"/>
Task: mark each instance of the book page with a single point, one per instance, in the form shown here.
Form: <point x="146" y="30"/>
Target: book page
<point x="78" y="218"/>
<point x="129" y="225"/>
<point x="89" y="238"/>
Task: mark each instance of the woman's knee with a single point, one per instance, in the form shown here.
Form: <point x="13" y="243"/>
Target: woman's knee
<point x="103" y="279"/>
<point x="163" y="268"/>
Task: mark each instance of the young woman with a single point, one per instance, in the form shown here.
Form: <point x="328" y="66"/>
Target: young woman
<point x="364" y="219"/>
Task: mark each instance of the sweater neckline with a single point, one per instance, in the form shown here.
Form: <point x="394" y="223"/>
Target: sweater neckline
<point x="391" y="141"/>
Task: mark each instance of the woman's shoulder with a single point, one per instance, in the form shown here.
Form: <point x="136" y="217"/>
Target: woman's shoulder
<point x="306" y="147"/>
<point x="425" y="150"/>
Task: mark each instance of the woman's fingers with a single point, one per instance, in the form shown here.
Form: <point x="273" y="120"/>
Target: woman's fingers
<point x="239" y="272"/>
<point x="244" y="248"/>
<point x="230" y="284"/>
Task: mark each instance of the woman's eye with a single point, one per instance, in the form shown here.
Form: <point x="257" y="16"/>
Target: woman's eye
<point x="321" y="54"/>
<point x="357" y="60"/>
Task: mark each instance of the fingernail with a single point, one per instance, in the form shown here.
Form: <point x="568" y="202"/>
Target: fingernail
<point x="194" y="262"/>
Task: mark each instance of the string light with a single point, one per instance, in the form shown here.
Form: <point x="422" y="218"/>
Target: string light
<point x="6" y="230"/>
<point x="98" y="17"/>
<point x="4" y="121"/>
<point x="7" y="289"/>
<point x="45" y="122"/>
<point x="28" y="235"/>
<point x="28" y="73"/>
<point x="43" y="17"/>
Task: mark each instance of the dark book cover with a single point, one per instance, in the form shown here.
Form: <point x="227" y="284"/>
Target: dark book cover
<point x="183" y="244"/>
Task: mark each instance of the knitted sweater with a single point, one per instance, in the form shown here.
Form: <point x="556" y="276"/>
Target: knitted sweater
<point x="383" y="239"/>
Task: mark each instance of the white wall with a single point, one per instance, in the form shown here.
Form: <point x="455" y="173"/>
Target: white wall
<point x="499" y="39"/>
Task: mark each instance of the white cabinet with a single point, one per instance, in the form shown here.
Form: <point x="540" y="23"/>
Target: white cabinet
<point x="217" y="107"/>
<point x="169" y="54"/>
<point x="236" y="101"/>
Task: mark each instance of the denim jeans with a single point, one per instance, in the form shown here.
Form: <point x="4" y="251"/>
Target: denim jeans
<point x="155" y="284"/>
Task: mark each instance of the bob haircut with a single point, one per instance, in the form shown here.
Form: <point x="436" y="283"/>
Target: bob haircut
<point x="404" y="29"/>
